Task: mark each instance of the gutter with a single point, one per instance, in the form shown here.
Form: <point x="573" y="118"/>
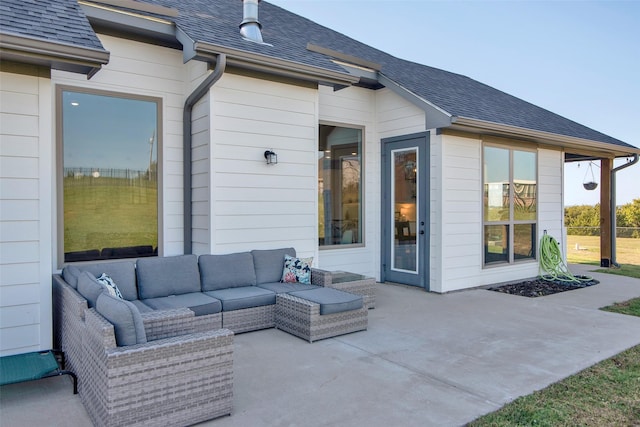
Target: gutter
<point x="61" y="56"/>
<point x="613" y="207"/>
<point x="196" y="95"/>
<point x="603" y="148"/>
<point x="272" y="65"/>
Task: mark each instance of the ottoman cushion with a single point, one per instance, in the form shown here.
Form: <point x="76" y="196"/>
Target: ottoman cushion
<point x="331" y="300"/>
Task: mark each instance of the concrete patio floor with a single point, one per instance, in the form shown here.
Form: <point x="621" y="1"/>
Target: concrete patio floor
<point x="426" y="360"/>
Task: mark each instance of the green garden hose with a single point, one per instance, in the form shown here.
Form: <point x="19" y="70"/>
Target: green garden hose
<point x="552" y="265"/>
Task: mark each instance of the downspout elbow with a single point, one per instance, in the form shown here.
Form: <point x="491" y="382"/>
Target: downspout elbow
<point x="196" y="95"/>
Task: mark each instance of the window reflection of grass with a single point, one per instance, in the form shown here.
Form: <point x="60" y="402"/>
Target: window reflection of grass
<point x="111" y="214"/>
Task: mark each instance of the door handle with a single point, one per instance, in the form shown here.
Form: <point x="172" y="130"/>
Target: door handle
<point x="421" y="231"/>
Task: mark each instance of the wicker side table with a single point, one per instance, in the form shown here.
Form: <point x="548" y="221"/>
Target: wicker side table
<point x="355" y="284"/>
<point x="302" y="318"/>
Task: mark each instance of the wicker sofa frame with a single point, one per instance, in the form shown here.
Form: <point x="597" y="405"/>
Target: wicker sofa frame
<point x="174" y="381"/>
<point x="184" y="373"/>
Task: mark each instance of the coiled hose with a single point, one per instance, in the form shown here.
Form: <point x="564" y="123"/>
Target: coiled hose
<point x="552" y="266"/>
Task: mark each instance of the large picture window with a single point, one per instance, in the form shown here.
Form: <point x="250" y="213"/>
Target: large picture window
<point x="109" y="146"/>
<point x="510" y="205"/>
<point x="339" y="185"/>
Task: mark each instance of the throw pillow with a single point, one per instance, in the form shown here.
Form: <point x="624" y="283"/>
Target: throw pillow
<point x="109" y="285"/>
<point x="297" y="270"/>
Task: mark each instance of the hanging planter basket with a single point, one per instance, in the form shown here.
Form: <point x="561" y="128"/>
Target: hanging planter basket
<point x="590" y="185"/>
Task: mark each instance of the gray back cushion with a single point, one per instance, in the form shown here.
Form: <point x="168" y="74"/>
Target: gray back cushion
<point x="123" y="274"/>
<point x="164" y="276"/>
<point x="270" y="263"/>
<point x="226" y="271"/>
<point x="89" y="288"/>
<point x="70" y="275"/>
<point x="125" y="318"/>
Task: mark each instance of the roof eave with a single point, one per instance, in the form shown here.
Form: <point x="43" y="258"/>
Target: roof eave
<point x="272" y="65"/>
<point x="56" y="55"/>
<point x="567" y="143"/>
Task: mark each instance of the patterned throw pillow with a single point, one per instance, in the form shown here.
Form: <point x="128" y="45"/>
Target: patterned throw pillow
<point x="297" y="270"/>
<point x="109" y="285"/>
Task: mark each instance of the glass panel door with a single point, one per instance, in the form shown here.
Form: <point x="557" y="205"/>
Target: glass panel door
<point x="405" y="179"/>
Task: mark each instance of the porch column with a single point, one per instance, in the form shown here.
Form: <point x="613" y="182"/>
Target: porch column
<point x="605" y="212"/>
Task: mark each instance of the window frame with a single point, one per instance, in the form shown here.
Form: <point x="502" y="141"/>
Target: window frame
<point x="362" y="186"/>
<point x="59" y="166"/>
<point x="511" y="223"/>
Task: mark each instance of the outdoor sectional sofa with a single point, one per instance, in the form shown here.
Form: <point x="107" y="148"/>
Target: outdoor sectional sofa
<point x="162" y="350"/>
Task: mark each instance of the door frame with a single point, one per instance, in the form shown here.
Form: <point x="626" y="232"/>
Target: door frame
<point x="421" y="141"/>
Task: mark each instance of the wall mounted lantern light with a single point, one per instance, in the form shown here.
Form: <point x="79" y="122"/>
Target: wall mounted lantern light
<point x="271" y="157"/>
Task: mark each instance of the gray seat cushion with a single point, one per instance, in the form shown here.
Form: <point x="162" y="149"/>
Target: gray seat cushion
<point x="142" y="307"/>
<point x="89" y="288"/>
<point x="123" y="274"/>
<point x="244" y="297"/>
<point x="331" y="300"/>
<point x="285" y="288"/>
<point x="270" y="263"/>
<point x="226" y="271"/>
<point x="197" y="302"/>
<point x="164" y="276"/>
<point x="125" y="318"/>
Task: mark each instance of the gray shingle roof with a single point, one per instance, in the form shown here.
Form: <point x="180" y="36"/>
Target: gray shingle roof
<point x="56" y="21"/>
<point x="216" y="22"/>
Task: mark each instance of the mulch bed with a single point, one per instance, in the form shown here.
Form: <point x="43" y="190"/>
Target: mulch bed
<point x="540" y="287"/>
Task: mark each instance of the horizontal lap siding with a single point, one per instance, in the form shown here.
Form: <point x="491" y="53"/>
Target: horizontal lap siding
<point x="461" y="248"/>
<point x="550" y="177"/>
<point x="142" y="69"/>
<point x="255" y="205"/>
<point x="25" y="209"/>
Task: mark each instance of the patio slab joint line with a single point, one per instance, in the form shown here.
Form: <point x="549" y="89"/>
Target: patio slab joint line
<point x="439" y="380"/>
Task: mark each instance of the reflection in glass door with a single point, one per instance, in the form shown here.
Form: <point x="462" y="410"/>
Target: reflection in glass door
<point x="404" y="188"/>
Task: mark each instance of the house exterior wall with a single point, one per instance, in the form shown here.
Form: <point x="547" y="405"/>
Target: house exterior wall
<point x="25" y="209"/>
<point x="255" y="205"/>
<point x="458" y="263"/>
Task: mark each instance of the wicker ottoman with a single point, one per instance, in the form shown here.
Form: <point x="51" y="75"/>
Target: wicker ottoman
<point x="355" y="284"/>
<point x="320" y="313"/>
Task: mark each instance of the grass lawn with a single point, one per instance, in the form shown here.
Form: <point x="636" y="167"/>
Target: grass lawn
<point x="114" y="215"/>
<point x="606" y="394"/>
<point x="587" y="250"/>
